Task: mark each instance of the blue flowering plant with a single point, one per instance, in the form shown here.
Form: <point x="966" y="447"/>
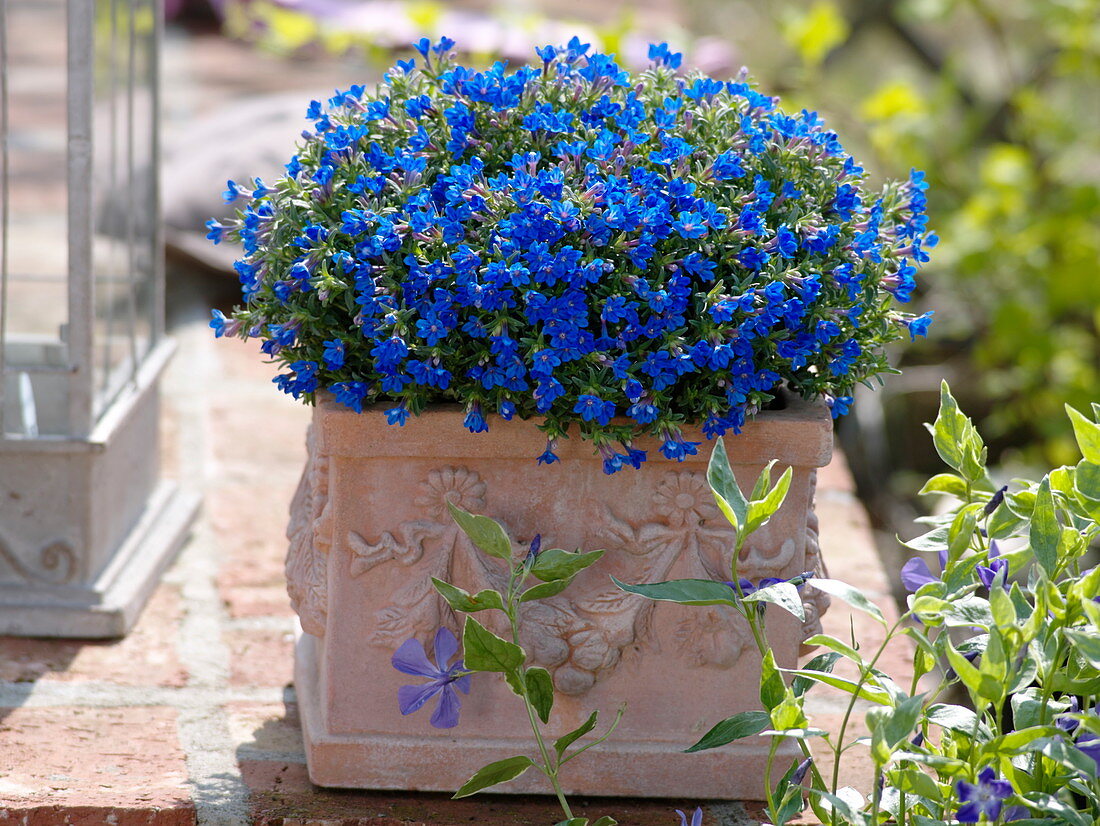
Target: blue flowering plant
<point x="1000" y="720"/>
<point x="535" y="574"/>
<point x="610" y="253"/>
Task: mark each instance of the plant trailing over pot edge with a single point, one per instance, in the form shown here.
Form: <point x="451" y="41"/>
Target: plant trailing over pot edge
<point x="573" y="243"/>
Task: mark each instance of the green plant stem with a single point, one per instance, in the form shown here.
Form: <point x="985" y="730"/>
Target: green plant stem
<point x="1044" y="702"/>
<point x="864" y="672"/>
<point x="773" y="807"/>
<point x="550" y="769"/>
<point x="760" y="639"/>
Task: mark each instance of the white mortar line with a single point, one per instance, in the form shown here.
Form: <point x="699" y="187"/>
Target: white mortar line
<point x="220" y="794"/>
<point x="110" y="695"/>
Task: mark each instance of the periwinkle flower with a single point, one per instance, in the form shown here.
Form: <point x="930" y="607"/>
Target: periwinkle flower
<point x="444" y="677"/>
<point x="986" y="797"/>
<point x="988" y="573"/>
<point x="916" y="572"/>
<point x="696" y="817"/>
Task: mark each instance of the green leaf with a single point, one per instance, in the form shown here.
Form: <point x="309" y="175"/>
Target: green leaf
<point x="935" y="540"/>
<point x="554" y="564"/>
<point x="1087" y="480"/>
<point x="789" y="715"/>
<point x="499" y="772"/>
<point x="763" y="482"/>
<point x="894" y="726"/>
<point x="566" y="740"/>
<point x="772" y="687"/>
<point x="461" y="600"/>
<point x="1087" y="643"/>
<point x="865" y="692"/>
<point x="956" y="718"/>
<point x="982" y="688"/>
<point x="484" y="532"/>
<point x="485" y="651"/>
<point x="724" y="485"/>
<point x="961" y="532"/>
<point x="969" y="610"/>
<point x="947" y="765"/>
<point x="545" y="589"/>
<point x="956" y="439"/>
<point x="846" y="806"/>
<point x="914" y="781"/>
<point x="606" y="821"/>
<point x="745" y="724"/>
<point x="947" y="483"/>
<point x="783" y="594"/>
<point x="839" y="646"/>
<point x="1088" y="435"/>
<point x="761" y="510"/>
<point x="1001" y="607"/>
<point x="852" y="596"/>
<point x="1045" y="530"/>
<point x="540" y="691"/>
<point x="822" y="662"/>
<point x="684" y="591"/>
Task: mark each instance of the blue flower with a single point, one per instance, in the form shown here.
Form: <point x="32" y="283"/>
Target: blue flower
<point x="443" y="676"/>
<point x="233" y="191"/>
<point x="985" y="797"/>
<point x="696" y="817"/>
<point x="593" y="408"/>
<point x="218" y="323"/>
<point x="839" y="405"/>
<point x="690" y="225"/>
<point x="659" y="53"/>
<point x="397" y="415"/>
<point x="334" y="354"/>
<point x="215" y="231"/>
<point x="548" y="457"/>
<point x="475" y="421"/>
<point x="919" y="326"/>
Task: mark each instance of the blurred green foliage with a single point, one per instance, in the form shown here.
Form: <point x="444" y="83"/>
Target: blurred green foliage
<point x="999" y="101"/>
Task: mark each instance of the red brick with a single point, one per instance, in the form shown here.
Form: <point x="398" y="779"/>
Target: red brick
<point x="92" y="758"/>
<point x="260" y="658"/>
<point x="147" y="656"/>
<point x="49" y="815"/>
<point x="283" y="796"/>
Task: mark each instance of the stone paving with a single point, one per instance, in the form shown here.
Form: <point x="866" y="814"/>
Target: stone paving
<point x="192" y="717"/>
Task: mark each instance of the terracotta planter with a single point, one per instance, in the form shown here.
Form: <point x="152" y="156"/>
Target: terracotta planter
<point x="369" y="527"/>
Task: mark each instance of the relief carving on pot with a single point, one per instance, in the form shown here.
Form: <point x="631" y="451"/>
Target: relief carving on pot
<point x="582" y="635"/>
<point x="54" y="564"/>
<point x="310" y="535"/>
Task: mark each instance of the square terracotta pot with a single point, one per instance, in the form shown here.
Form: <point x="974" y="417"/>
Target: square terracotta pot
<point x="369" y="527"/>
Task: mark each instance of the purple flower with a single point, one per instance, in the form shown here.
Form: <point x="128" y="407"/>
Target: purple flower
<point x="916" y="572"/>
<point x="984" y="797"/>
<point x="987" y="573"/>
<point x="443" y="679"/>
<point x="1089" y="743"/>
<point x="696" y="817"/>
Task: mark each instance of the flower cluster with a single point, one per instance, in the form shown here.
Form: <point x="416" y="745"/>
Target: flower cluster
<point x="568" y="242"/>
